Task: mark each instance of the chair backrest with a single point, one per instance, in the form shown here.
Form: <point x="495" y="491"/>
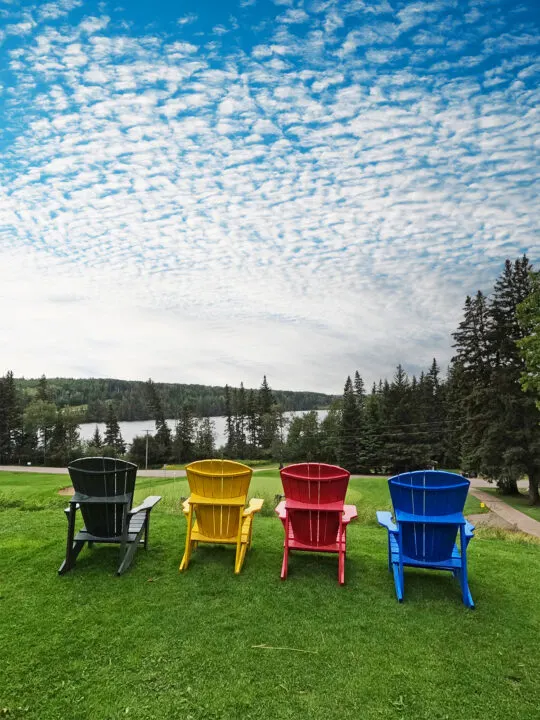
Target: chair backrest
<point x="431" y="493"/>
<point x="223" y="480"/>
<point x="103" y="477"/>
<point x="316" y="485"/>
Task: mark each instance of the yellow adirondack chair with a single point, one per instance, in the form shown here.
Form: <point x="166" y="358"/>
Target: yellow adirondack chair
<point x="216" y="509"/>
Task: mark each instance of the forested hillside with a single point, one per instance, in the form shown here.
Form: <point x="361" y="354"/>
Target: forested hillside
<point x="130" y="399"/>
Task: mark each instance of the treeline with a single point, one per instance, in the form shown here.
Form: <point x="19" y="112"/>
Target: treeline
<point x="483" y="417"/>
<point x="91" y="398"/>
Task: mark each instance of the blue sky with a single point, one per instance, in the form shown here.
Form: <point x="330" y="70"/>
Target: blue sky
<point x="209" y="191"/>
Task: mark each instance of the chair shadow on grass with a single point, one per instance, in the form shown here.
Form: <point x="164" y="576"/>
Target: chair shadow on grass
<point x="427" y="585"/>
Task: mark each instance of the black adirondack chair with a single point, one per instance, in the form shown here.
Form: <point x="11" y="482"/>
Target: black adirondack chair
<point x="104" y="490"/>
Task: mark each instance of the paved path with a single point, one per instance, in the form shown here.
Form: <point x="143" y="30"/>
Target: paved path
<point x="64" y="471"/>
<point x="517" y="519"/>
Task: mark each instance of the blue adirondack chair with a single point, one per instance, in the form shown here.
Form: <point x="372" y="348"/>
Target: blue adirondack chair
<point x="428" y="509"/>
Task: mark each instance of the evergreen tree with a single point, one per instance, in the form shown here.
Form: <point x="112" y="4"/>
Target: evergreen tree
<point x="163" y="436"/>
<point x="528" y="313"/>
<point x="360" y="397"/>
<point x="240" y="422"/>
<point x="43" y="392"/>
<point x="230" y="441"/>
<point x="184" y="440"/>
<point x="58" y="447"/>
<point x="10" y="418"/>
<point x="267" y="419"/>
<point x="252" y="423"/>
<point x="348" y="439"/>
<point x="371" y="458"/>
<point x="501" y="427"/>
<point x="113" y="437"/>
<point x="330" y="433"/>
<point x="205" y="439"/>
<point x="96" y="440"/>
<point x="266" y="398"/>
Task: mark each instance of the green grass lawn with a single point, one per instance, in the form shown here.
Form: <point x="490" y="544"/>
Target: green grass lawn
<point x="155" y="644"/>
<point x="520" y="502"/>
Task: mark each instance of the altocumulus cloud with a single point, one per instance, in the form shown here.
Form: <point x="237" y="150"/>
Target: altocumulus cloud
<point x="209" y="193"/>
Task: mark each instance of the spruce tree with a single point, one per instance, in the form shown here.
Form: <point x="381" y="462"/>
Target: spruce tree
<point x="252" y="423"/>
<point x="528" y="313"/>
<point x="113" y="437"/>
<point x="240" y="422"/>
<point x="230" y="436"/>
<point x="96" y="440"/>
<point x="205" y="439"/>
<point x="348" y="440"/>
<point x="10" y="418"/>
<point x="184" y="440"/>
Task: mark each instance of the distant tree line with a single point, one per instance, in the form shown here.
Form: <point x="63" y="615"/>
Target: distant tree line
<point x="90" y="398"/>
<point x="483" y="417"/>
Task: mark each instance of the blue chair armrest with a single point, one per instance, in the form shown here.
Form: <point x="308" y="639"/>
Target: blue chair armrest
<point x="469" y="530"/>
<point x="384" y="518"/>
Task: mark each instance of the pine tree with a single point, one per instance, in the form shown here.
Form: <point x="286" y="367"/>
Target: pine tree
<point x="205" y="439"/>
<point x="184" y="440"/>
<point x="501" y="431"/>
<point x="348" y="441"/>
<point x="528" y="313"/>
<point x="58" y="448"/>
<point x="267" y="419"/>
<point x="266" y="398"/>
<point x="96" y="440"/>
<point x="252" y="423"/>
<point x="230" y="442"/>
<point x="360" y="397"/>
<point x="10" y="418"/>
<point x="113" y="436"/>
<point x="240" y="422"/>
<point x="163" y="436"/>
<point x="43" y="392"/>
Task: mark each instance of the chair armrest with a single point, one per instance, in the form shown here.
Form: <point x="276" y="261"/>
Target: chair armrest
<point x="469" y="530"/>
<point x="349" y="513"/>
<point x="255" y="505"/>
<point x="146" y="505"/>
<point x="384" y="518"/>
<point x="185" y="507"/>
<point x="280" y="510"/>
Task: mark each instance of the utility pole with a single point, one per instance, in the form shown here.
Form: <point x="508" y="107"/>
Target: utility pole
<point x="146" y="458"/>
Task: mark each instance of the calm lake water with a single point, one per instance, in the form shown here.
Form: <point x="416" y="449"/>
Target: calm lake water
<point x="132" y="428"/>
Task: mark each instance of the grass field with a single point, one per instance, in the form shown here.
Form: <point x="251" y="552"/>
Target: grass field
<point x="520" y="502"/>
<point x="155" y="644"/>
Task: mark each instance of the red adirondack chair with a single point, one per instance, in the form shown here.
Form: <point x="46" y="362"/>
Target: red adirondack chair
<point x="313" y="514"/>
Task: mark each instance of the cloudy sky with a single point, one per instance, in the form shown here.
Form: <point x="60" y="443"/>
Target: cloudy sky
<point x="209" y="190"/>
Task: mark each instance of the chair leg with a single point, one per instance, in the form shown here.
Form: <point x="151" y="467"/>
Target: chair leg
<point x="463" y="575"/>
<point x="341" y="567"/>
<point x="189" y="543"/>
<point x="285" y="565"/>
<point x="240" y="557"/>
<point x="398" y="580"/>
<point x="76" y="548"/>
<point x="127" y="558"/>
<point x="146" y="530"/>
<point x="69" y="562"/>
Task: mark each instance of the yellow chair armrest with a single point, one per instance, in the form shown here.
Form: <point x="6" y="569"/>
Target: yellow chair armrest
<point x="255" y="505"/>
<point x="185" y="507"/>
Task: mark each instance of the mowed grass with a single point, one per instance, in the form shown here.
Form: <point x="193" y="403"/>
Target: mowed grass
<point x="157" y="644"/>
<point x="519" y="502"/>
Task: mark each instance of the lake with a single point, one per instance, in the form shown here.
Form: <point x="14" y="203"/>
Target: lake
<point x="132" y="428"/>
